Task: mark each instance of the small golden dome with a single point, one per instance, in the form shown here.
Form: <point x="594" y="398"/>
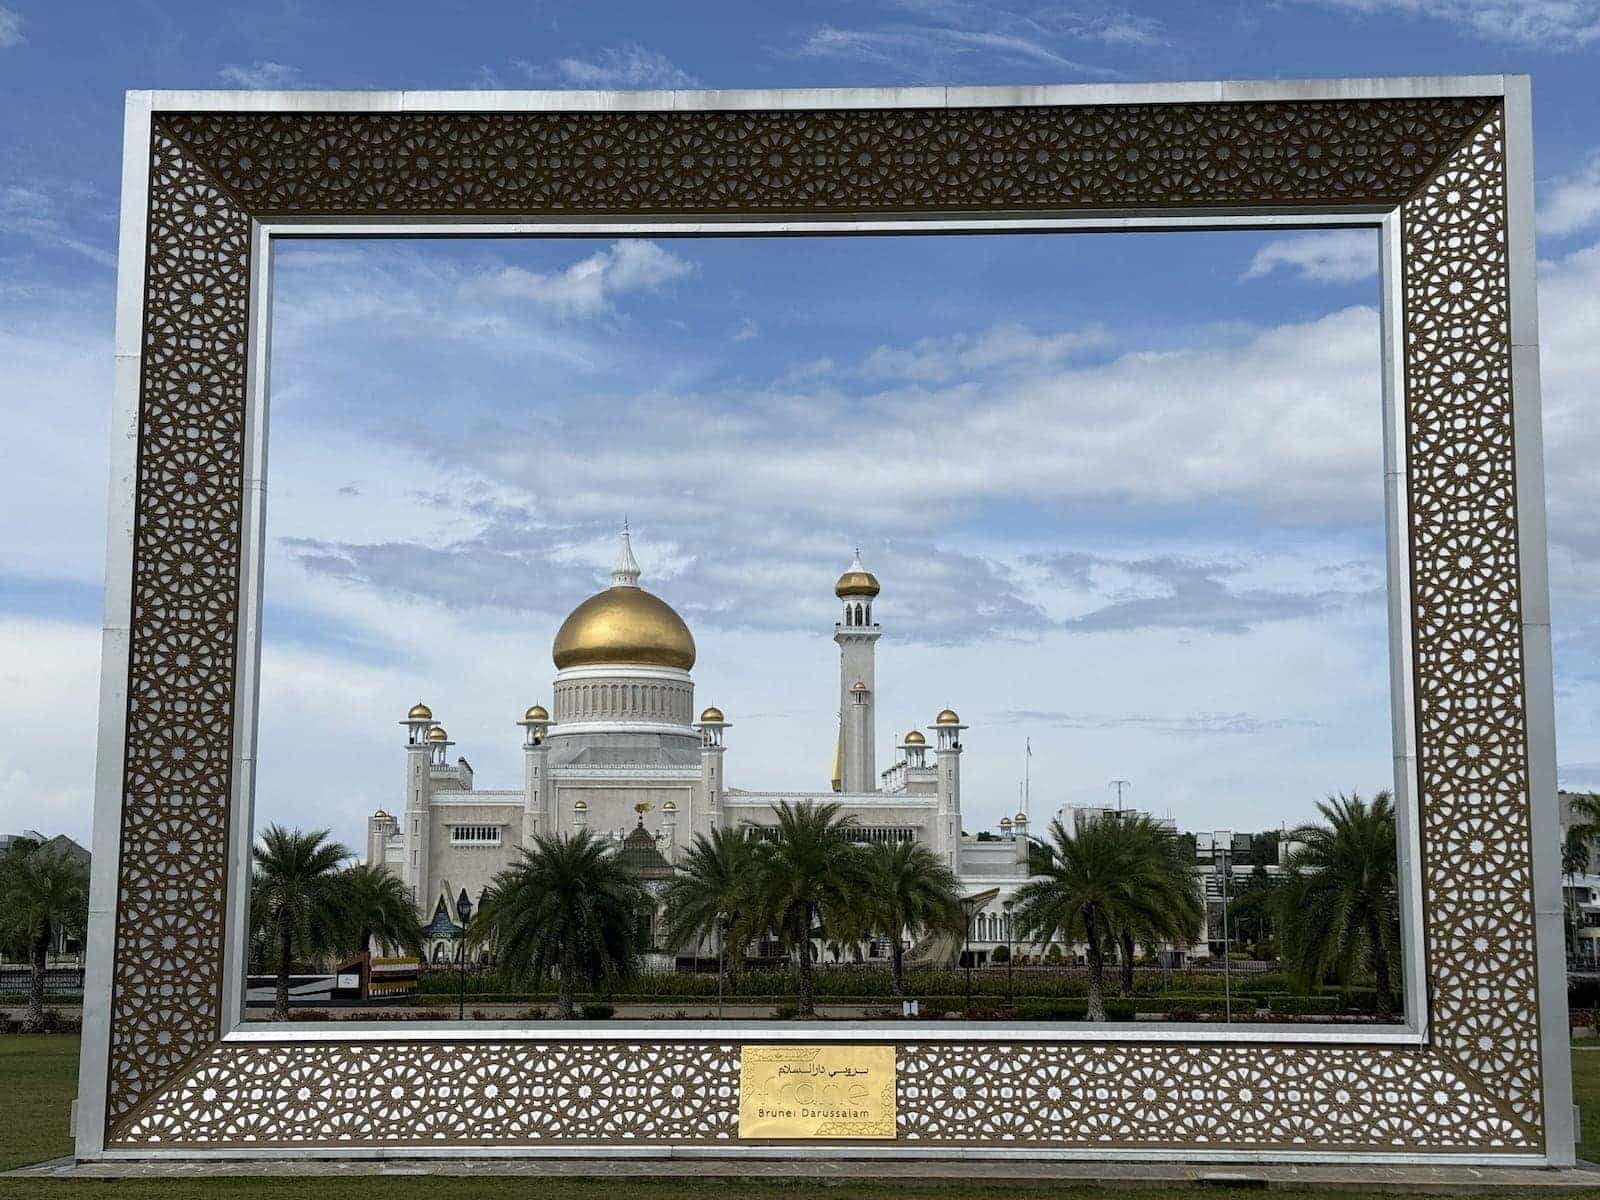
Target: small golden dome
<point x="712" y="716"/>
<point x="915" y="738"/>
<point x="382" y="815"/>
<point x="671" y="806"/>
<point x="581" y="806"/>
<point x="858" y="686"/>
<point x="1020" y="819"/>
<point x="624" y="624"/>
<point x="437" y="734"/>
<point x="947" y="717"/>
<point x="1005" y="822"/>
<point x="536" y="713"/>
<point x="420" y="712"/>
<point x="856" y="581"/>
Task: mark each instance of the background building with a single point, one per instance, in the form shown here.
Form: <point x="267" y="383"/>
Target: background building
<point x="620" y="753"/>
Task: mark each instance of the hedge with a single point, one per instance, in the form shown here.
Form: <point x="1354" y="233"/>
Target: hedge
<point x="1304" y="1005"/>
<point x="1071" y="1010"/>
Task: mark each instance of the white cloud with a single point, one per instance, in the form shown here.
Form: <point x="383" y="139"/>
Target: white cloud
<point x="49" y="676"/>
<point x="263" y="75"/>
<point x="923" y="49"/>
<point x="1003" y="349"/>
<point x="11" y="24"/>
<point x="1539" y="24"/>
<point x="628" y="65"/>
<point x="1342" y="256"/>
<point x="746" y="330"/>
<point x="588" y="287"/>
<point x="43" y="211"/>
<point x="56" y="384"/>
<point x="954" y="35"/>
<point x="1573" y="201"/>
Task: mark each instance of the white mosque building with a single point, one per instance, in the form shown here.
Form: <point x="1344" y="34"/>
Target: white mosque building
<point x="623" y="755"/>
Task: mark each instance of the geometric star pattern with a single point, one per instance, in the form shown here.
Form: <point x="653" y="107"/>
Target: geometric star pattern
<point x="173" y="1084"/>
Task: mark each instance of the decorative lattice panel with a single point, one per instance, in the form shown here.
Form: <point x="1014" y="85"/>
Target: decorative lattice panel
<point x="1476" y="1086"/>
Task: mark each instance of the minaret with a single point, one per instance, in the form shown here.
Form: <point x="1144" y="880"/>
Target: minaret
<point x="537" y="815"/>
<point x="419" y="795"/>
<point x="857" y="635"/>
<point x="947" y="729"/>
<point x="711" y="725"/>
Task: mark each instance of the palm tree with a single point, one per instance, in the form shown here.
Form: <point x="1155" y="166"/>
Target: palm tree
<point x="809" y="877"/>
<point x="1340" y="904"/>
<point x="1091" y="887"/>
<point x="1164" y="906"/>
<point x="377" y="905"/>
<point x="708" y="897"/>
<point x="298" y="900"/>
<point x="1253" y="905"/>
<point x="43" y="890"/>
<point x="912" y="890"/>
<point x="567" y="909"/>
<point x="1574" y="861"/>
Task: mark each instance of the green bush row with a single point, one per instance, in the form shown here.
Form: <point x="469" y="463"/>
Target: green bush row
<point x="870" y="984"/>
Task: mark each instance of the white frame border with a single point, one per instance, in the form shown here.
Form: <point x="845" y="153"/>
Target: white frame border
<point x="1515" y="93"/>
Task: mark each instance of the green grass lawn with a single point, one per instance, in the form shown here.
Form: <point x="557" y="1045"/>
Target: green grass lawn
<point x="38" y="1079"/>
<point x="39" y="1075"/>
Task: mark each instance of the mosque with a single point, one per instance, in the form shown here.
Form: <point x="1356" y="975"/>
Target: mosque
<point x="623" y="755"/>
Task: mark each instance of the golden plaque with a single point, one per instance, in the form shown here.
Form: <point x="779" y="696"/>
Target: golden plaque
<point x="833" y="1091"/>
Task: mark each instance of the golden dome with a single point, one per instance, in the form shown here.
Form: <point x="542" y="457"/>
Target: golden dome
<point x="856" y="581"/>
<point x="858" y="686"/>
<point x="712" y="716"/>
<point x="437" y="734"/>
<point x="420" y="712"/>
<point x="624" y="624"/>
<point x="914" y="738"/>
<point x="536" y="713"/>
<point x="670" y="806"/>
<point x="947" y="717"/>
<point x="1005" y="822"/>
<point x="581" y="806"/>
<point x="1020" y="819"/>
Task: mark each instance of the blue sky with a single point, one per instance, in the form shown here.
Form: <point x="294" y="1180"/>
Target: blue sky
<point x="1202" y="623"/>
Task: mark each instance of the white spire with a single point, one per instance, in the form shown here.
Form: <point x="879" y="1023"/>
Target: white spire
<point x="856" y="563"/>
<point x="625" y="571"/>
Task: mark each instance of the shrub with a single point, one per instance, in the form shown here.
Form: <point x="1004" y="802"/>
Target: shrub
<point x="1002" y="954"/>
<point x="1179" y="1006"/>
<point x="1359" y="1000"/>
<point x="1071" y="1010"/>
<point x="596" y="1012"/>
<point x="1303" y="1005"/>
<point x="786" y="1012"/>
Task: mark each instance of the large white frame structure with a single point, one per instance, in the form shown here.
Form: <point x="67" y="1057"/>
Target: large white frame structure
<point x="201" y="211"/>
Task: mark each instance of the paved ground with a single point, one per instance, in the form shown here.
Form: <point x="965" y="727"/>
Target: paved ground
<point x="1447" y="1180"/>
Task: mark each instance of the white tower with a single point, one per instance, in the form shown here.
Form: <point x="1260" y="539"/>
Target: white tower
<point x="857" y="634"/>
<point x="419" y="794"/>
<point x="537" y="815"/>
<point x="711" y="725"/>
<point x="947" y="729"/>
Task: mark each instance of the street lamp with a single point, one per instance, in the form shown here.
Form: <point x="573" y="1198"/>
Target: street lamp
<point x="969" y="905"/>
<point x="1011" y="955"/>
<point x="463" y="911"/>
<point x="722" y="944"/>
<point x="1222" y="861"/>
